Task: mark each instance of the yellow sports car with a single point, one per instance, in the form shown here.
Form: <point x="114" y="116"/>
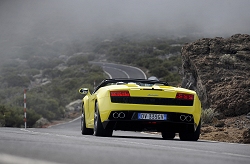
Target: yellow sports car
<point x="141" y="105"/>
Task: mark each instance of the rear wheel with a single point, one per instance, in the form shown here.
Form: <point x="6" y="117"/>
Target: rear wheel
<point x="84" y="129"/>
<point x="191" y="136"/>
<point x="98" y="127"/>
<point x="167" y="135"/>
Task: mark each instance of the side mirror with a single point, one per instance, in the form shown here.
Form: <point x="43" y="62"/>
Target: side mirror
<point x="84" y="91"/>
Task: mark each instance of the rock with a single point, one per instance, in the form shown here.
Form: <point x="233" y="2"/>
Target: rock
<point x="218" y="70"/>
<point x="248" y="116"/>
<point x="220" y="123"/>
<point x="246" y="136"/>
<point x="41" y="122"/>
<point x="206" y="129"/>
<point x="74" y="106"/>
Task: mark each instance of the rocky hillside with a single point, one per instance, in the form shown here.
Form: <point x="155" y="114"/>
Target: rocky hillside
<point x="219" y="70"/>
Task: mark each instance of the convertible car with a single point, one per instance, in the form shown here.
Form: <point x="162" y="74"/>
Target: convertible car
<point x="141" y="105"/>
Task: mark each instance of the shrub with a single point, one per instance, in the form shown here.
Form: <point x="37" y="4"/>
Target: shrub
<point x="13" y="116"/>
<point x="77" y="60"/>
<point x="37" y="62"/>
<point x="208" y="115"/>
<point x="228" y="59"/>
<point x="14" y="80"/>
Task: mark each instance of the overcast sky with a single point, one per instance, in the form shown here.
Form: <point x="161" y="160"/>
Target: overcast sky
<point x="79" y="18"/>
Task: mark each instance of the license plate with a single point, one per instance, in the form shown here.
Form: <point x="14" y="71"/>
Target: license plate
<point x="152" y="116"/>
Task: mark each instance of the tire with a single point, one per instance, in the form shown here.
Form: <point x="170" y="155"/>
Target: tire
<point x="167" y="135"/>
<point x="98" y="127"/>
<point x="84" y="129"/>
<point x="191" y="136"/>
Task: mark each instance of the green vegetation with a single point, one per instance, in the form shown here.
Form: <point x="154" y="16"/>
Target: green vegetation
<point x="161" y="57"/>
<point x="48" y="99"/>
<point x="53" y="73"/>
<point x="228" y="59"/>
<point x="13" y="116"/>
<point x="208" y="115"/>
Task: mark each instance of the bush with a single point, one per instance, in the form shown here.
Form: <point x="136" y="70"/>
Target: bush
<point x="228" y="59"/>
<point x="173" y="79"/>
<point x="77" y="60"/>
<point x="37" y="62"/>
<point x="159" y="71"/>
<point x="14" y="80"/>
<point x="13" y="116"/>
<point x="32" y="117"/>
<point x="2" y="115"/>
<point x="208" y="115"/>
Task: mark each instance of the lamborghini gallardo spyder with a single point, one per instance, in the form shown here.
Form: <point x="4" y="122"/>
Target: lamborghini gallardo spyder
<point x="141" y="105"/>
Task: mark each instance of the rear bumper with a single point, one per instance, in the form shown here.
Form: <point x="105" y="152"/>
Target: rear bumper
<point x="175" y="122"/>
<point x="106" y="108"/>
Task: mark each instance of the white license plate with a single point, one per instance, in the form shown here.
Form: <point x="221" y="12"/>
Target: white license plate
<point x="152" y="116"/>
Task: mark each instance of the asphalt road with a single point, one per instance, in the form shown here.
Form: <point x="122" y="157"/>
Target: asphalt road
<point x="121" y="71"/>
<point x="65" y="144"/>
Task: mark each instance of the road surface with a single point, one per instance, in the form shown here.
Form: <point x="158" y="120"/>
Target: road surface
<point x="121" y="71"/>
<point x="65" y="144"/>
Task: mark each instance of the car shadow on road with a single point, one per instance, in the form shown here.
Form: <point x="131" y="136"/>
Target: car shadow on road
<point x="138" y="137"/>
<point x="158" y="138"/>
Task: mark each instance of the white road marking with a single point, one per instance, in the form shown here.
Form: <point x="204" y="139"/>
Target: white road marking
<point x="118" y="70"/>
<point x="51" y="134"/>
<point x="108" y="74"/>
<point x="65" y="122"/>
<point x="12" y="159"/>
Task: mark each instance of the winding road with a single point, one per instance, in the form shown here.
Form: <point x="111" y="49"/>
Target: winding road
<point x="64" y="143"/>
<point x="121" y="71"/>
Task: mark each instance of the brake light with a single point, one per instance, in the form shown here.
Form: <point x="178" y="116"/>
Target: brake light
<point x="119" y="93"/>
<point x="184" y="96"/>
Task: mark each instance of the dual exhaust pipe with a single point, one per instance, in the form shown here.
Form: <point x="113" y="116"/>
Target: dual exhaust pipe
<point x="119" y="115"/>
<point x="187" y="118"/>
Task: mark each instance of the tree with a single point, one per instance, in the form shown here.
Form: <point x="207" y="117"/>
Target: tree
<point x="14" y="80"/>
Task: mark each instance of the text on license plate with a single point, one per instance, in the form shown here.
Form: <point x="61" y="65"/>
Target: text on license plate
<point x="152" y="116"/>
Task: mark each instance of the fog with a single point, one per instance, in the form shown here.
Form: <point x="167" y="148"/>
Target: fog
<point x="74" y="19"/>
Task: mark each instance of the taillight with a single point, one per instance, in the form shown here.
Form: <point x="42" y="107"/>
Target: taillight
<point x="184" y="96"/>
<point x="119" y="93"/>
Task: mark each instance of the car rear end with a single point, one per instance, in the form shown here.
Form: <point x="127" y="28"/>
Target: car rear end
<point x="150" y="108"/>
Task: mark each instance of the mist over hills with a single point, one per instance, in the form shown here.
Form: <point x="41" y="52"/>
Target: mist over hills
<point x="54" y="20"/>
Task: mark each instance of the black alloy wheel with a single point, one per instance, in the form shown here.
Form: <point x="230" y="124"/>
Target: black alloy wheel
<point x="84" y="129"/>
<point x="98" y="127"/>
<point x="184" y="136"/>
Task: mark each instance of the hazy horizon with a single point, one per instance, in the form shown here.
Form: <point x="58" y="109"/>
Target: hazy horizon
<point x="52" y="20"/>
